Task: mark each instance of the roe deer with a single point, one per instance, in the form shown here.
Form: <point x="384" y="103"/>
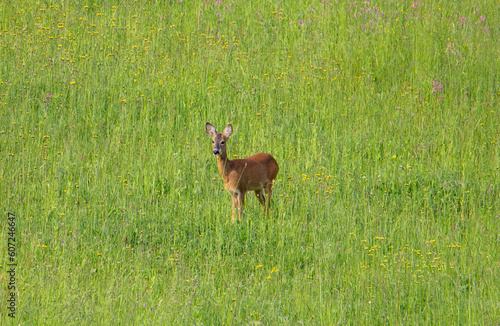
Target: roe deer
<point x="256" y="172"/>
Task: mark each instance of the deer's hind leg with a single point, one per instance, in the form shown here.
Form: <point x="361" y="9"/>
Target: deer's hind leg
<point x="269" y="192"/>
<point x="260" y="196"/>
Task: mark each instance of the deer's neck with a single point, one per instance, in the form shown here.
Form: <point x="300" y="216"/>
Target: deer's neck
<point x="223" y="164"/>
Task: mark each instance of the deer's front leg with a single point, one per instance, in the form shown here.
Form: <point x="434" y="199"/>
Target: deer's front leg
<point x="241" y="203"/>
<point x="235" y="206"/>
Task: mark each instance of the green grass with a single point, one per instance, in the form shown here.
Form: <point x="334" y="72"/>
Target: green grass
<point x="384" y="119"/>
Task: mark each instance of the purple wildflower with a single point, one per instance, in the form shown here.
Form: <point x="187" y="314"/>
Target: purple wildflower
<point x="437" y="87"/>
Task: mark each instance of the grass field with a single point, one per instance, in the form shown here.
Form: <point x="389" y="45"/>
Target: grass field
<point x="383" y="116"/>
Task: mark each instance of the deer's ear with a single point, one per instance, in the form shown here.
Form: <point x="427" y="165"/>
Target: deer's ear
<point x="228" y="131"/>
<point x="210" y="129"/>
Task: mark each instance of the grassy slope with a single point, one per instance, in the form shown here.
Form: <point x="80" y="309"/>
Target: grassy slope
<point x="383" y="117"/>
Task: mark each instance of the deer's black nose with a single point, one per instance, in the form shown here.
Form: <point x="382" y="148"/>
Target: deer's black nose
<point x="216" y="151"/>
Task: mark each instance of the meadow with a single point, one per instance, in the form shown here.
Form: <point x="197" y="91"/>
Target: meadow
<point x="383" y="116"/>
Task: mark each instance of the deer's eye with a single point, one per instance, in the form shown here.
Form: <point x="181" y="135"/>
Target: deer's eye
<point x="213" y="142"/>
<point x="222" y="142"/>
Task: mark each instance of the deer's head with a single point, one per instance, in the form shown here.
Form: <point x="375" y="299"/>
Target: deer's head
<point x="219" y="139"/>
